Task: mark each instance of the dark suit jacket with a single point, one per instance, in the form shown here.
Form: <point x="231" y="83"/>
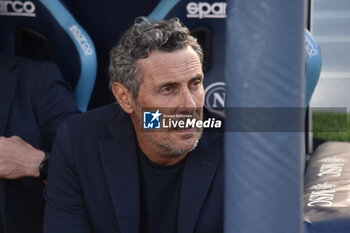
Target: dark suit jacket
<point x="94" y="182"/>
<point x="34" y="99"/>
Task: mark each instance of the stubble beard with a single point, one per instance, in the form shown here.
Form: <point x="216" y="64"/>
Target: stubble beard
<point x="171" y="150"/>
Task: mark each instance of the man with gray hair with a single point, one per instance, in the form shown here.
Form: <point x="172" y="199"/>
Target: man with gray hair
<point x="145" y="164"/>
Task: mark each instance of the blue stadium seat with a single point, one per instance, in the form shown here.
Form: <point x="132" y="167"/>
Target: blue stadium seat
<point x="45" y="30"/>
<point x="105" y="21"/>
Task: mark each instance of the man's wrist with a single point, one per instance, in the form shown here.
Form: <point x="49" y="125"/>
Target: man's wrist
<point x="44" y="167"/>
<point x="32" y="163"/>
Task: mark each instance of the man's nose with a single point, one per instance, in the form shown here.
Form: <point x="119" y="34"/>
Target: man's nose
<point x="188" y="101"/>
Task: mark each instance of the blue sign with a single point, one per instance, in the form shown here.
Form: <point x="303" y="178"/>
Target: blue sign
<point x="151" y="120"/>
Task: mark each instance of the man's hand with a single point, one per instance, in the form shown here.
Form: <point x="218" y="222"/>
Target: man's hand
<point x="18" y="158"/>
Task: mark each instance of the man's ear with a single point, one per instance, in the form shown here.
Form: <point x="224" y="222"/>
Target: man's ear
<point x="123" y="96"/>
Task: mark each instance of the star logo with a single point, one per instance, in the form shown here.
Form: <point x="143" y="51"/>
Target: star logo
<point x="156" y="115"/>
<point x="151" y="120"/>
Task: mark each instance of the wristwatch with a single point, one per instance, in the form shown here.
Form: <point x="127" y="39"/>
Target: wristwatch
<point x="44" y="166"/>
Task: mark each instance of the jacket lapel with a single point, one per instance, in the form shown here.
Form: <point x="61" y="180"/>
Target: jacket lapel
<point x="200" y="168"/>
<point x="8" y="80"/>
<point x="119" y="158"/>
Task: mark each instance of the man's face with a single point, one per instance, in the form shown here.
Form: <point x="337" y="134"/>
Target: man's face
<point x="173" y="83"/>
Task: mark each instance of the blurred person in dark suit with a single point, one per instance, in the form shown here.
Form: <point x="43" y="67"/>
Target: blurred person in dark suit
<point x="34" y="100"/>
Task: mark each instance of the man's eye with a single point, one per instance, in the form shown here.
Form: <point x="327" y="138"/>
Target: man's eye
<point x="166" y="89"/>
<point x="197" y="83"/>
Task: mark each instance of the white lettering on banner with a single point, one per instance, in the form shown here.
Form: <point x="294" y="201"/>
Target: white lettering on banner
<point x="190" y="123"/>
<point x="322" y="186"/>
<point x="17" y="8"/>
<point x="333" y="159"/>
<point x="321" y="198"/>
<point x="309" y="47"/>
<point x="81" y="39"/>
<point x="333" y="169"/>
<point x="332" y="166"/>
<point x="322" y="195"/>
<point x="205" y="10"/>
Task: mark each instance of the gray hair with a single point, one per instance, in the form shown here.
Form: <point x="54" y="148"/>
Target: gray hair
<point x="138" y="41"/>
